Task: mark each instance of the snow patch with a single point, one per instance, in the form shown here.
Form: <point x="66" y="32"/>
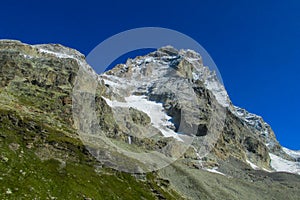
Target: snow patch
<point x="26" y="56"/>
<point x="282" y="165"/>
<point x="293" y="154"/>
<point x="214" y="170"/>
<point x="252" y="165"/>
<point x="155" y="111"/>
<point x="218" y="91"/>
<point x="255" y="167"/>
<point x="62" y="54"/>
<point x="129" y="139"/>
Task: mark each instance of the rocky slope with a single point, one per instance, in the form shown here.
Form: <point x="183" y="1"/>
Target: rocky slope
<point x="164" y="111"/>
<point x="197" y="104"/>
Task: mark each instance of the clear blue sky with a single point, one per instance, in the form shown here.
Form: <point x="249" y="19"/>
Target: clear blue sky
<point x="255" y="44"/>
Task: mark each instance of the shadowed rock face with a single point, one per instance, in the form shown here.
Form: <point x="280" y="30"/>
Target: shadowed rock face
<point x="40" y="144"/>
<point x="202" y="130"/>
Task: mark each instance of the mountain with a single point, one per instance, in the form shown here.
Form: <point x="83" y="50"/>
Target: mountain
<point x="160" y="126"/>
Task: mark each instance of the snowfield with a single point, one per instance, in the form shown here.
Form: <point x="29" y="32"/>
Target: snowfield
<point x="155" y="111"/>
<point x="282" y="165"/>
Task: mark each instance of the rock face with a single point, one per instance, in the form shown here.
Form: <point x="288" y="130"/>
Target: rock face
<point x="197" y="104"/>
<point x="164" y="111"/>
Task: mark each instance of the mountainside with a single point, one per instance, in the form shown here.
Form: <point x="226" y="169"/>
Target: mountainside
<point x="160" y="126"/>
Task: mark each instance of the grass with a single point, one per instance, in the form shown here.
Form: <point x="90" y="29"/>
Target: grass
<point x="68" y="174"/>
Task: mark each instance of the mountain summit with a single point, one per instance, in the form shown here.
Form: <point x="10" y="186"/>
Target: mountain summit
<point x="160" y="126"/>
<point x="173" y="79"/>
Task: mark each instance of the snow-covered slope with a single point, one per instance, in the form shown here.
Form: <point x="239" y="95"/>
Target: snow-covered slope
<point x="294" y="154"/>
<point x="282" y="165"/>
<point x="155" y="111"/>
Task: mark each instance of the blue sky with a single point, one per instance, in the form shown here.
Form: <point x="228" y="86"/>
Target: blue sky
<point x="255" y="44"/>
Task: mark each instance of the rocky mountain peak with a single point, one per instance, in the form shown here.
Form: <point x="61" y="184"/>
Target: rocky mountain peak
<point x="166" y="62"/>
<point x="162" y="75"/>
